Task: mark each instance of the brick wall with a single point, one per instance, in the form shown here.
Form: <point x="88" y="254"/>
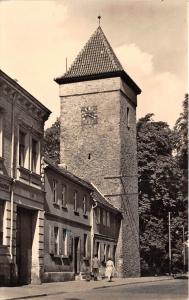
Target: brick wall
<point x="112" y="166"/>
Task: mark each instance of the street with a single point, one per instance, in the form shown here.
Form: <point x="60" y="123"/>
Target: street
<point x="163" y="290"/>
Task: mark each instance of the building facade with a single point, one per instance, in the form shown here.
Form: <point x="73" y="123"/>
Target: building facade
<point x="106" y="225"/>
<point x="98" y="119"/>
<point x="67" y="242"/>
<point x="22" y="119"/>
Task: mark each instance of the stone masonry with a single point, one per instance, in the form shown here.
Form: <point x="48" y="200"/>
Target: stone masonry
<point x="112" y="166"/>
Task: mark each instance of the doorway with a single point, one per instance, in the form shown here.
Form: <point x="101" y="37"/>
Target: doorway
<point x="76" y="256"/>
<point x="24" y="239"/>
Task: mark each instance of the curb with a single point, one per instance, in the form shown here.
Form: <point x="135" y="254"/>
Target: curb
<point x="91" y="288"/>
<point x="129" y="283"/>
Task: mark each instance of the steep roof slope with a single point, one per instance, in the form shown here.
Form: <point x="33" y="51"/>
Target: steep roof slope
<point x="96" y="60"/>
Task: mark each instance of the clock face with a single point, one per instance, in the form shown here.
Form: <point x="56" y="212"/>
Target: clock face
<point x="89" y="115"/>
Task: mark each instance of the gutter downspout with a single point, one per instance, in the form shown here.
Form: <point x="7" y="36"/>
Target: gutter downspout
<point x="92" y="231"/>
<point x="12" y="176"/>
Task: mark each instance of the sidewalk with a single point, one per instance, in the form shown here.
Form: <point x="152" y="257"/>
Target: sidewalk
<point x="55" y="288"/>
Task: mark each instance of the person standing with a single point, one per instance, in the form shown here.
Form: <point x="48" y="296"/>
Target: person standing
<point x="95" y="267"/>
<point x="109" y="269"/>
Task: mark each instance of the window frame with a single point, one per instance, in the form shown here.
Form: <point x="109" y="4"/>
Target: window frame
<point x="64" y="195"/>
<point x="85" y="245"/>
<point x="108" y="219"/>
<point x="55" y="191"/>
<point x="75" y="201"/>
<point x="84" y="205"/>
<point x="65" y="242"/>
<point x="56" y="241"/>
<point x="22" y="149"/>
<point x="98" y="210"/>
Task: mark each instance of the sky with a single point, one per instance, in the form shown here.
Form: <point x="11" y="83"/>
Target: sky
<point x="149" y="38"/>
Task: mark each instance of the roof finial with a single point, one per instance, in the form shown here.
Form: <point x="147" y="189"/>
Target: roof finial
<point x="99" y="17"/>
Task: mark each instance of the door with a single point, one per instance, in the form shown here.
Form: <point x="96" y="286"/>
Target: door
<point x="76" y="255"/>
<point x="24" y="245"/>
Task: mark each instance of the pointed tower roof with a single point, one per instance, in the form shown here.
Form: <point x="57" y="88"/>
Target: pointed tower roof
<point x="96" y="60"/>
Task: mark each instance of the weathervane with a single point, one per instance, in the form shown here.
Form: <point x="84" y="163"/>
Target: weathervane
<point x="99" y="17"/>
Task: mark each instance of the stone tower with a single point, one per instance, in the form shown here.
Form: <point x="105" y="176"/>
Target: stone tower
<point x="98" y="136"/>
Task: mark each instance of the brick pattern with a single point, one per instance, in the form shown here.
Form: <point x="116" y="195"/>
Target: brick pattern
<point x="112" y="147"/>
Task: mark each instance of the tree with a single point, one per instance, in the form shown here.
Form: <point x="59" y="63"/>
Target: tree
<point x="159" y="193"/>
<point x="52" y="142"/>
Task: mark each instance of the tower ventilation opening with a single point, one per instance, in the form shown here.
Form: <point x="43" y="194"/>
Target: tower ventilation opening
<point x="89" y="156"/>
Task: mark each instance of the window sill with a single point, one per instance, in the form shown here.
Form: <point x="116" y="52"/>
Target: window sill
<point x="76" y="213"/>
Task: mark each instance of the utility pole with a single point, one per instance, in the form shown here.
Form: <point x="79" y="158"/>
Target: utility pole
<point x="184" y="258"/>
<point x="169" y="225"/>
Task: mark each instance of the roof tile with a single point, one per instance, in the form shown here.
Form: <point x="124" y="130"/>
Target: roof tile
<point x="97" y="57"/>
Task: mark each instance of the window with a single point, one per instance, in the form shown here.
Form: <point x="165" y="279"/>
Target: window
<point x="56" y="240"/>
<point x="65" y="242"/>
<point x="108" y="251"/>
<point x="64" y="195"/>
<point x="128" y="117"/>
<point x="85" y="250"/>
<point x="34" y="156"/>
<point x="104" y="217"/>
<point x="98" y="249"/>
<point x="108" y="218"/>
<point x="1" y="222"/>
<point x="75" y="201"/>
<point x="1" y="135"/>
<point x="55" y="199"/>
<point x="84" y="205"/>
<point x="22" y="148"/>
<point x="104" y="259"/>
<point x="98" y="215"/>
<point x="114" y="253"/>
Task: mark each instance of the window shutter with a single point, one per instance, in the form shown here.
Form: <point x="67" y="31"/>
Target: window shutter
<point x="51" y="239"/>
<point x="69" y="243"/>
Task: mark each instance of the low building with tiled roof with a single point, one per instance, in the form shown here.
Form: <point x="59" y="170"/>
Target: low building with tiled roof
<point x="77" y="224"/>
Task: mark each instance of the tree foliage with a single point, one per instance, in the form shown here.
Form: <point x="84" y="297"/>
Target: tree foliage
<point x="160" y="192"/>
<point x="52" y="142"/>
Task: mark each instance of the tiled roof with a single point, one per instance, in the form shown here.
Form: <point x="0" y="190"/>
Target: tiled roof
<point x="95" y="61"/>
<point x="97" y="57"/>
<point x="97" y="196"/>
<point x="67" y="174"/>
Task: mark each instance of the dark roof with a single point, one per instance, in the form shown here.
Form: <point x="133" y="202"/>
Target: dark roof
<point x="96" y="60"/>
<point x="67" y="174"/>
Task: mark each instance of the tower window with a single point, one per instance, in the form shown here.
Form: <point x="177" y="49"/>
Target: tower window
<point x="89" y="156"/>
<point x="128" y="118"/>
